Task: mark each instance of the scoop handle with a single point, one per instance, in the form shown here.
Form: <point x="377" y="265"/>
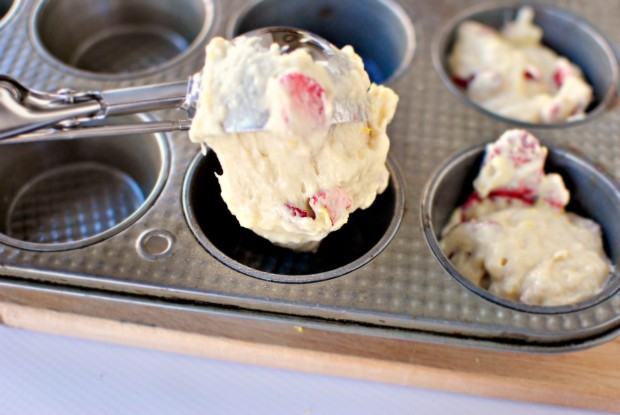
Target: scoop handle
<point x="133" y="100"/>
<point x="23" y="110"/>
<point x="28" y="112"/>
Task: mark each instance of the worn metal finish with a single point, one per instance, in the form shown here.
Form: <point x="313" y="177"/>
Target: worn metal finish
<point x="404" y="291"/>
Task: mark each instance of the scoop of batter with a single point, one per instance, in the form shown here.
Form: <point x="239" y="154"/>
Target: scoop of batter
<point x="300" y="178"/>
<point x="513" y="236"/>
<point x="512" y="74"/>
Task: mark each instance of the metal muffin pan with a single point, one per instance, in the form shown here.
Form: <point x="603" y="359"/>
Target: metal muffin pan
<point x="403" y="291"/>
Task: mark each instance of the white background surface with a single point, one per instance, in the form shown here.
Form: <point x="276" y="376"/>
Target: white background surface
<point x="47" y="374"/>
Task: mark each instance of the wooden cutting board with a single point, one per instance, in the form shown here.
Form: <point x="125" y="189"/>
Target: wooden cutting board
<point x="584" y="379"/>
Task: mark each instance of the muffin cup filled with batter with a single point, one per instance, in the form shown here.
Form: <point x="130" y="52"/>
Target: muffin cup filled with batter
<point x="499" y="58"/>
<point x="365" y="235"/>
<point x="592" y="195"/>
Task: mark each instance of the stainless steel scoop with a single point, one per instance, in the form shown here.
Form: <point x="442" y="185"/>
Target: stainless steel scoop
<point x="27" y="115"/>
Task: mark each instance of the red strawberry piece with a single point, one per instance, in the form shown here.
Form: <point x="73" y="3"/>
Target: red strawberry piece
<point x="560" y="75"/>
<point x="555" y="203"/>
<point x="472" y="199"/>
<point x="526" y="151"/>
<point x="299" y="212"/>
<point x="532" y="73"/>
<point x="554" y="113"/>
<point x="335" y="201"/>
<point x="524" y="194"/>
<point x="520" y="147"/>
<point x="307" y="97"/>
<point x="463" y="82"/>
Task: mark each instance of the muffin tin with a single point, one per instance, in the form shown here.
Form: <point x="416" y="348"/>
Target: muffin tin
<point x="150" y="224"/>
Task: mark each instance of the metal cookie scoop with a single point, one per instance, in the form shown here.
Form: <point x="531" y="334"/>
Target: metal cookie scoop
<point x="27" y="115"/>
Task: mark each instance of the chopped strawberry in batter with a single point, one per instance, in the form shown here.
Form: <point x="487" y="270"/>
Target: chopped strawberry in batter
<point x="335" y="201"/>
<point x="306" y="99"/>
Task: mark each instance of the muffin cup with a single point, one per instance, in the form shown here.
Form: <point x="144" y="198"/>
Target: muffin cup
<point x="60" y="195"/>
<point x="119" y="38"/>
<point x="379" y="30"/>
<point x="365" y="235"/>
<point x="565" y="33"/>
<point x="593" y="195"/>
<point x="8" y="9"/>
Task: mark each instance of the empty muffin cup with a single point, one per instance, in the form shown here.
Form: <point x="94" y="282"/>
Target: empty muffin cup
<point x="119" y="38"/>
<point x="60" y="195"/>
<point x="379" y="30"/>
<point x="360" y="240"/>
<point x="565" y="33"/>
<point x="593" y="195"/>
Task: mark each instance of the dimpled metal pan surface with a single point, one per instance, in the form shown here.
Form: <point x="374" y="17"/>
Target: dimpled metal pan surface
<point x="396" y="287"/>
